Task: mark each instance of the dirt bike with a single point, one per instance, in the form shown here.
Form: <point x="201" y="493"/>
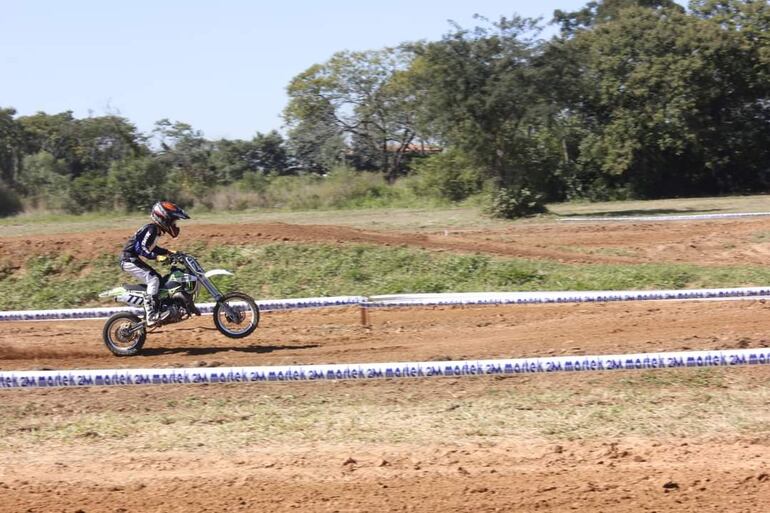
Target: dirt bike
<point x="236" y="315"/>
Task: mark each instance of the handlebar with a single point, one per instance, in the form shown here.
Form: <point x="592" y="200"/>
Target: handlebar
<point x="175" y="258"/>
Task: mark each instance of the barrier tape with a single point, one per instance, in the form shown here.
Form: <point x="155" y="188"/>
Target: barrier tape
<point x="499" y="298"/>
<point x="690" y="217"/>
<point x="395" y="300"/>
<point x="368" y="371"/>
<point x="205" y="308"/>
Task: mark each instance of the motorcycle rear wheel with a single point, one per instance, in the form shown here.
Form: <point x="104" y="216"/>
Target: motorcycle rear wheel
<point x="117" y="337"/>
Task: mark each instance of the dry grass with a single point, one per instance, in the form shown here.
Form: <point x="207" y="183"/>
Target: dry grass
<point x="656" y="404"/>
<point x="675" y="206"/>
<point x="405" y="219"/>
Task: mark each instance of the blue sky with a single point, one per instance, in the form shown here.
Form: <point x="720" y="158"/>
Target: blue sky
<point x="221" y="66"/>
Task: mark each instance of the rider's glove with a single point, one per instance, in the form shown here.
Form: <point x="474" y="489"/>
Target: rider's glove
<point x="161" y="258"/>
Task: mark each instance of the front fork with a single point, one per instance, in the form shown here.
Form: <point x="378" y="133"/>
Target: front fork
<point x="230" y="313"/>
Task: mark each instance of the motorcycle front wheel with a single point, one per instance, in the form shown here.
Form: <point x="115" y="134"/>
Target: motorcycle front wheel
<point x="119" y="337"/>
<point x="236" y="315"/>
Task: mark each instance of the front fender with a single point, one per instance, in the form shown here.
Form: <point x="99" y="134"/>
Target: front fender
<point x="218" y="272"/>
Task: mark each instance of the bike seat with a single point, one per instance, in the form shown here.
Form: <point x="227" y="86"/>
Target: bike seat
<point x="135" y="287"/>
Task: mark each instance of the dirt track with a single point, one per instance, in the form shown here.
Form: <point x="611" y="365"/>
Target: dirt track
<point x="719" y="468"/>
<point x="704" y="242"/>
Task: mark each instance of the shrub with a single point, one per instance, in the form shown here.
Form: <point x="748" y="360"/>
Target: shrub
<point x="87" y="193"/>
<point x="45" y="181"/>
<point x="253" y="181"/>
<point x="344" y="187"/>
<point x="509" y="203"/>
<point x="449" y="175"/>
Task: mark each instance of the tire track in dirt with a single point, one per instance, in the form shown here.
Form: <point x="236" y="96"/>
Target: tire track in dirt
<point x="85" y="245"/>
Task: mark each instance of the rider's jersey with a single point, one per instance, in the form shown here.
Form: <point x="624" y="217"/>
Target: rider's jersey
<point x="143" y="243"/>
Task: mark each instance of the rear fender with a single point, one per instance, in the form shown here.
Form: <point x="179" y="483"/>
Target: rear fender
<point x="116" y="292"/>
<point x="122" y="295"/>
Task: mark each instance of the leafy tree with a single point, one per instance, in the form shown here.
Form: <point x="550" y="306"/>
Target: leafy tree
<point x="597" y="12"/>
<point x="668" y="106"/>
<point x="749" y="21"/>
<point x="138" y="183"/>
<point x="317" y="144"/>
<point x="11" y="146"/>
<point x="101" y="141"/>
<point x="264" y="153"/>
<point x="45" y="180"/>
<point x="85" y="145"/>
<point x="268" y="153"/>
<point x="188" y="154"/>
<point x="480" y="94"/>
<point x="363" y="96"/>
<point x="68" y="159"/>
<point x="54" y="134"/>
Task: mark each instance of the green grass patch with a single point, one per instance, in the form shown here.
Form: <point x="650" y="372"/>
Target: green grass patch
<point x="303" y="270"/>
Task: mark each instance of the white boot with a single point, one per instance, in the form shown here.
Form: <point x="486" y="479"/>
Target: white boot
<point x="151" y="310"/>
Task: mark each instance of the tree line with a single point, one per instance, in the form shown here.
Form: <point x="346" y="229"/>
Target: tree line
<point x="631" y="99"/>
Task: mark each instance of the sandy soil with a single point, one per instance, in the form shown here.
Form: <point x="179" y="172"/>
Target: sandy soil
<point x="717" y="470"/>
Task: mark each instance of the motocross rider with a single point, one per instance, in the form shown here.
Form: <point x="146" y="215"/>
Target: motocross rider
<point x="164" y="215"/>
